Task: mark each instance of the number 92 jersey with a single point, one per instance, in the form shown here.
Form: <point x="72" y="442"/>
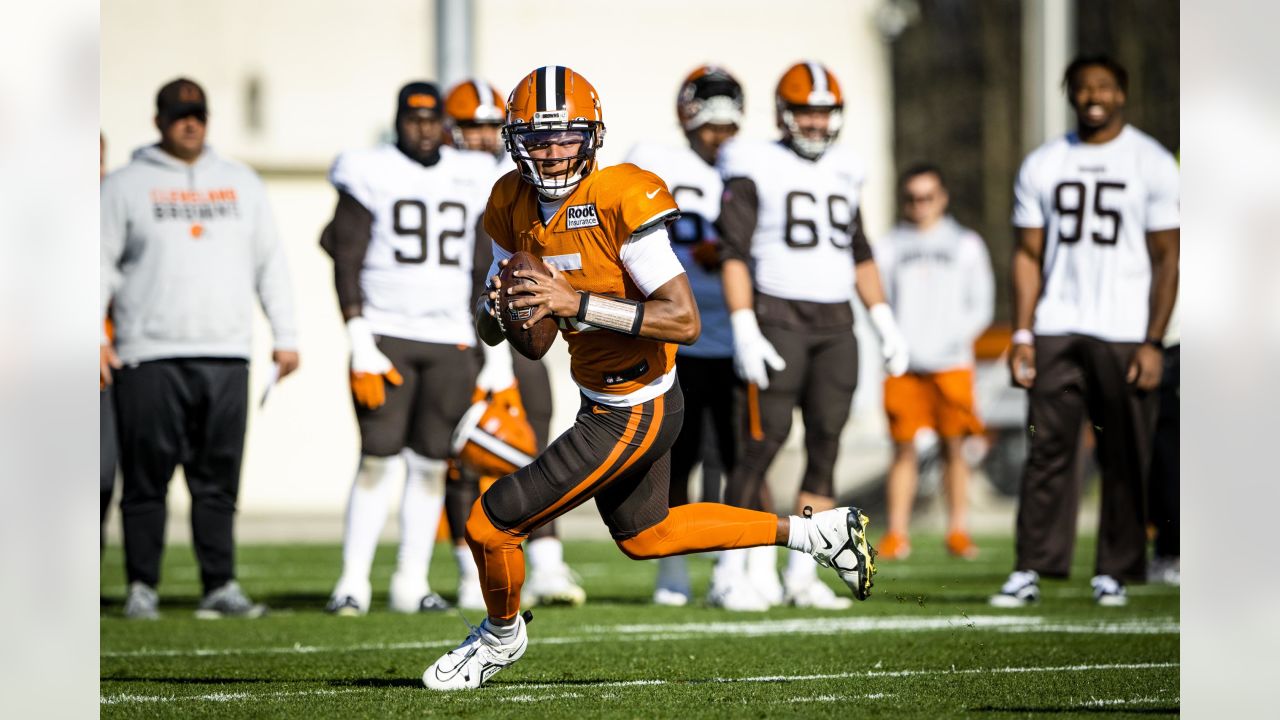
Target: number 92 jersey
<point x="417" y="272"/>
<point x="802" y="246"/>
<point x="1096" y="204"/>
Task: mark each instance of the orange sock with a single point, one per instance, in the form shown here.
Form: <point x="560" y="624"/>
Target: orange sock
<point x="702" y="526"/>
<point x="500" y="560"/>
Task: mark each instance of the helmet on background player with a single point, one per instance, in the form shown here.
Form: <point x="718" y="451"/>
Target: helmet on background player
<point x="494" y="437"/>
<point x="709" y="95"/>
<point x="809" y="86"/>
<point x="474" y="103"/>
<point x="554" y="105"/>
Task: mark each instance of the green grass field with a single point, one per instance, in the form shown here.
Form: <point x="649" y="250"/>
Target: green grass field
<point x="926" y="645"/>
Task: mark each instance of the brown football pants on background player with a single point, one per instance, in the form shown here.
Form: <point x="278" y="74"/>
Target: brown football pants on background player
<point x="1079" y="377"/>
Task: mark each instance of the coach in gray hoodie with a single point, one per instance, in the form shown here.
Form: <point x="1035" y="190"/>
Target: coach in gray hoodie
<point x="187" y="241"/>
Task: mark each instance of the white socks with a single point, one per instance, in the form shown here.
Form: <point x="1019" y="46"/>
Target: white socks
<point x="366" y="514"/>
<point x="731" y="566"/>
<point x="420" y="513"/>
<point x="801" y="569"/>
<point x="545" y="553"/>
<point x="798" y="539"/>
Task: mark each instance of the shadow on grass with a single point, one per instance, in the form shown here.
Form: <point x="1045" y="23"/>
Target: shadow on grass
<point x="190" y="680"/>
<point x="377" y="683"/>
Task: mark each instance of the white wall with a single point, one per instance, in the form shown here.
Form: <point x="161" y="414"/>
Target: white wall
<point x="329" y="71"/>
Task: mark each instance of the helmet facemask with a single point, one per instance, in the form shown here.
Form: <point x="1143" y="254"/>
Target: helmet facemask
<point x="810" y="147"/>
<point x="554" y="177"/>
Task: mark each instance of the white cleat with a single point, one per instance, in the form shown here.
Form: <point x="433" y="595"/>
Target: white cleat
<point x="1020" y="590"/>
<point x="762" y="573"/>
<point x="672" y="588"/>
<point x="478" y="658"/>
<point x="737" y="596"/>
<point x="839" y="540"/>
<point x="470" y="596"/>
<point x="410" y="594"/>
<point x="552" y="586"/>
<point x="815" y="594"/>
<point x="1108" y="592"/>
<point x="350" y="598"/>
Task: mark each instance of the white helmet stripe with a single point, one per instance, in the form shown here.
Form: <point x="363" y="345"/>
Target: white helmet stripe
<point x="499" y="448"/>
<point x="819" y="75"/>
<point x="484" y="94"/>
<point x="547" y="85"/>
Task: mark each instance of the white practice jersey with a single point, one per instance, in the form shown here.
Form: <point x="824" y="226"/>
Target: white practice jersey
<point x="696" y="187"/>
<point x="1096" y="204"/>
<point x="416" y="277"/>
<point x="801" y="246"/>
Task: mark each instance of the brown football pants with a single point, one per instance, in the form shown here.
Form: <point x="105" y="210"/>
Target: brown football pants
<point x="1081" y="377"/>
<point x="620" y="457"/>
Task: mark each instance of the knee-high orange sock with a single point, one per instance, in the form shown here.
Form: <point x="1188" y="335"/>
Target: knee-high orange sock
<point x="702" y="526"/>
<point x="500" y="560"/>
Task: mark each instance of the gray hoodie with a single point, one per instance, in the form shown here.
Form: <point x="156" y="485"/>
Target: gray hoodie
<point x="184" y="249"/>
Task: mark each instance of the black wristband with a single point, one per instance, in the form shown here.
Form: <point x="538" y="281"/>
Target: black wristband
<point x="1157" y="344"/>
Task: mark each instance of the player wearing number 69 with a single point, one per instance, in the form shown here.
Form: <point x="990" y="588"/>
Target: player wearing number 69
<point x="1095" y="274"/>
<point x="795" y="251"/>
<point x="406" y="265"/>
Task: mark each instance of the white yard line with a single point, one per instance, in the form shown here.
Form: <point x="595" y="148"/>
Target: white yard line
<point x="758" y="628"/>
<point x="524" y="697"/>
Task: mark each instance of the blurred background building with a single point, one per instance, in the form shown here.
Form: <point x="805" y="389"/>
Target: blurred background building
<point x="970" y="85"/>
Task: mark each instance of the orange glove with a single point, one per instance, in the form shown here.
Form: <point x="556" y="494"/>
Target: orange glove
<point x="369" y="389"/>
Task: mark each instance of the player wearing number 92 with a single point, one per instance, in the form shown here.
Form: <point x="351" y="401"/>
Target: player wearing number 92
<point x="622" y="300"/>
<point x="795" y="252"/>
<point x="406" y="265"/>
<point x="1095" y="274"/>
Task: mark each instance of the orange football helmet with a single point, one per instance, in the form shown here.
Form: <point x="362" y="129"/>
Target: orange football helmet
<point x="709" y="95"/>
<point x="809" y="86"/>
<point x="494" y="437"/>
<point x="554" y="105"/>
<point x="474" y="103"/>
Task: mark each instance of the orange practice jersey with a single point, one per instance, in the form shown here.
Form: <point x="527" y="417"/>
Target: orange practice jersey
<point x="584" y="239"/>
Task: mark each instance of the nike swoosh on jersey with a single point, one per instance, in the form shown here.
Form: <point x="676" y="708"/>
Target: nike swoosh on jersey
<point x="652" y="195"/>
<point x="597" y="410"/>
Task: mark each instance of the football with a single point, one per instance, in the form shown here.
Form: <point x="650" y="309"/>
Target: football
<point x="533" y="342"/>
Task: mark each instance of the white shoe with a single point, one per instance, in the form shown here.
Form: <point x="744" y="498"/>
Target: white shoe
<point x="762" y="573"/>
<point x="478" y="658"/>
<point x="1108" y="592"/>
<point x="470" y="596"/>
<point x="1165" y="571"/>
<point x="737" y="595"/>
<point x="815" y="594"/>
<point x="552" y="586"/>
<point x="411" y="594"/>
<point x="1021" y="589"/>
<point x="672" y="588"/>
<point x="839" y="540"/>
<point x="350" y="598"/>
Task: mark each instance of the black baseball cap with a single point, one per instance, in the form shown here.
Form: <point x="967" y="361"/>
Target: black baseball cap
<point x="181" y="98"/>
<point x="419" y="97"/>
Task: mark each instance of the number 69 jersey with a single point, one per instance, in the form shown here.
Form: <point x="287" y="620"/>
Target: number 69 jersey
<point x="802" y="246"/>
<point x="417" y="272"/>
<point x="1096" y="204"/>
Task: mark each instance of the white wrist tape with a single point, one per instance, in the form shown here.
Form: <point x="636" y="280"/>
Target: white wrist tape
<point x="1023" y="336"/>
<point x="611" y="313"/>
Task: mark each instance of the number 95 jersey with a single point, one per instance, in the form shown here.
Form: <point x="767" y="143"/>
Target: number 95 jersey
<point x="417" y="272"/>
<point x="802" y="246"/>
<point x="1096" y="203"/>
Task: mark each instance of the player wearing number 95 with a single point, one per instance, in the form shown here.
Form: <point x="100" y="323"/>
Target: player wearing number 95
<point x="794" y="249"/>
<point x="1095" y="274"/>
<point x="622" y="300"/>
<point x="406" y="265"/>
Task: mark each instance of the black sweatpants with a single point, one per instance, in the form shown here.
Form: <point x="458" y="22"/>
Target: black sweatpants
<point x="709" y="432"/>
<point x="188" y="411"/>
<point x="107" y="455"/>
<point x="1079" y="377"/>
<point x="1165" y="467"/>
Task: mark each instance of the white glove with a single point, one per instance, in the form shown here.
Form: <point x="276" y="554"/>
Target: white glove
<point x="365" y="355"/>
<point x="751" y="351"/>
<point x="497" y="373"/>
<point x="892" y="345"/>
